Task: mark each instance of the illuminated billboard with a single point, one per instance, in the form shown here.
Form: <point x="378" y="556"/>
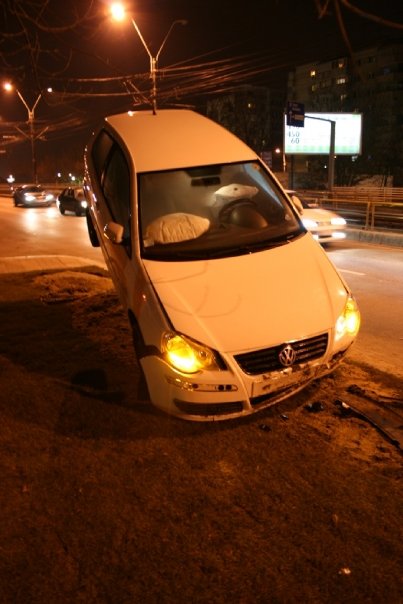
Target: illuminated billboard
<point x="314" y="137"/>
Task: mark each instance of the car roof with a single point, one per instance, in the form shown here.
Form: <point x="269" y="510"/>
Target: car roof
<point x="176" y="138"/>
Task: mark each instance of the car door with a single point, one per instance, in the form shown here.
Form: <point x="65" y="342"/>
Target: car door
<point x="63" y="200"/>
<point x="114" y="181"/>
<point x="69" y="203"/>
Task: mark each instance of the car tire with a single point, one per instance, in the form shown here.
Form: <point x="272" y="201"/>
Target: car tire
<point x="62" y="210"/>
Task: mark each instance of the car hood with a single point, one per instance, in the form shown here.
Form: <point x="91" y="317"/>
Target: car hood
<point x="251" y="301"/>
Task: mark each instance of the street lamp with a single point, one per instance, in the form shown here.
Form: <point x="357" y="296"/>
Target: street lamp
<point x="31" y="120"/>
<point x="118" y="14"/>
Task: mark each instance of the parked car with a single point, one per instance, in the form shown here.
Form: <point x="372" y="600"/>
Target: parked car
<point x="232" y="304"/>
<point x="32" y="195"/>
<point x="72" y="199"/>
<point x="325" y="226"/>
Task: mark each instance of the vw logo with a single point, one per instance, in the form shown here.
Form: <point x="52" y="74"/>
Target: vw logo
<point x="287" y="356"/>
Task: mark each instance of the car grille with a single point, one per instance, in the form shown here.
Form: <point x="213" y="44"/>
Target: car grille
<point x="206" y="409"/>
<point x="267" y="359"/>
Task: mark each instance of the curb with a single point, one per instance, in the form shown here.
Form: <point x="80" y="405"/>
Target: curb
<point x="25" y="264"/>
<point x="387" y="238"/>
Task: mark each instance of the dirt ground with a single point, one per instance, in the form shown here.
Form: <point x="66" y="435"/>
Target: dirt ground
<point x="106" y="500"/>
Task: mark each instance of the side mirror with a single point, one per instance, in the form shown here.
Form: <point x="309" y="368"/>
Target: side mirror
<point x="114" y="232"/>
<point x="298" y="204"/>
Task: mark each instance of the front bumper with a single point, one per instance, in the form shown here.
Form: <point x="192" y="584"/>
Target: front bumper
<point x="222" y="395"/>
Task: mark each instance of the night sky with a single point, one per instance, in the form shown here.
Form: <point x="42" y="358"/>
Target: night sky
<point x="75" y="48"/>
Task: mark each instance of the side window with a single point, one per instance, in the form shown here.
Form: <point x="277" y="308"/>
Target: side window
<point x="115" y="185"/>
<point x="100" y="151"/>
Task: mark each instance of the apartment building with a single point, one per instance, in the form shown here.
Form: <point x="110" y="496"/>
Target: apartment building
<point x="368" y="82"/>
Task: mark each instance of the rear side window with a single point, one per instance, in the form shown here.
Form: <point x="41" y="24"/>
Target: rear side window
<point x="113" y="176"/>
<point x="116" y="187"/>
<point x="100" y="151"/>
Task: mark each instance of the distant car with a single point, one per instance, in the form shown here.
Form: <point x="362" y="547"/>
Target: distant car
<point x="324" y="225"/>
<point x="72" y="200"/>
<point x="32" y="195"/>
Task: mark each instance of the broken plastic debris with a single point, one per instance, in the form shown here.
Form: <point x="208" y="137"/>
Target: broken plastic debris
<point x="315" y="407"/>
<point x="344" y="408"/>
<point x="264" y="427"/>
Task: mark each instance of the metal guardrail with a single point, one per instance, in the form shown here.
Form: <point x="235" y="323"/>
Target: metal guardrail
<point x="375" y="194"/>
<point x="369" y="208"/>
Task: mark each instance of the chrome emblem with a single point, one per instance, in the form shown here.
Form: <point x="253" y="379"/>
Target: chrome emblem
<point x="287" y="356"/>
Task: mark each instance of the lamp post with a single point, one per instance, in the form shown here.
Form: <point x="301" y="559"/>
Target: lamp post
<point x="118" y="13"/>
<point x="31" y="123"/>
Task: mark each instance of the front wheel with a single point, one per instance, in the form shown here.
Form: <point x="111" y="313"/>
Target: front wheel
<point x="62" y="210"/>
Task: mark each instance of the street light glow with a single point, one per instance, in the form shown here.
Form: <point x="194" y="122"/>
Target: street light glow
<point x="32" y="136"/>
<point x="118" y="11"/>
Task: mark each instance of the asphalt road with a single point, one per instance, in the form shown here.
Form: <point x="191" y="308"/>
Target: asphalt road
<point x="375" y="275"/>
<point x="43" y="231"/>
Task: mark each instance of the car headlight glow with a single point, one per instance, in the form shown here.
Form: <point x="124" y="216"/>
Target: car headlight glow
<point x="309" y="224"/>
<point x="338" y="221"/>
<point x="29" y="197"/>
<point x="349" y="321"/>
<point x="83" y="204"/>
<point x="49" y="197"/>
<point x="187" y="356"/>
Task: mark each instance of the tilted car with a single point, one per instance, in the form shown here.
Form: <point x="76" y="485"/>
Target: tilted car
<point x="72" y="199"/>
<point x="32" y="195"/>
<point x="324" y="225"/>
<point x="232" y="304"/>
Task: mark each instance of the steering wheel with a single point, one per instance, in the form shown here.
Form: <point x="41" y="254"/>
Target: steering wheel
<point x="224" y="215"/>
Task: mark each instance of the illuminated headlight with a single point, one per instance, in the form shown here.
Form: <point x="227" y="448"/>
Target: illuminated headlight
<point x="83" y="204"/>
<point x="29" y="197"/>
<point x="309" y="224"/>
<point x="187" y="356"/>
<point x="348" y="322"/>
<point x="338" y="221"/>
<point x="49" y="197"/>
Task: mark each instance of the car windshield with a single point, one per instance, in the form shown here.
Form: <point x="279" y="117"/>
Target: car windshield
<point x="212" y="211"/>
<point x="32" y="189"/>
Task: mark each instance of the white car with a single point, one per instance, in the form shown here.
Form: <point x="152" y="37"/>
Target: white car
<point x="232" y="304"/>
<point x="32" y="196"/>
<point x="324" y="225"/>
